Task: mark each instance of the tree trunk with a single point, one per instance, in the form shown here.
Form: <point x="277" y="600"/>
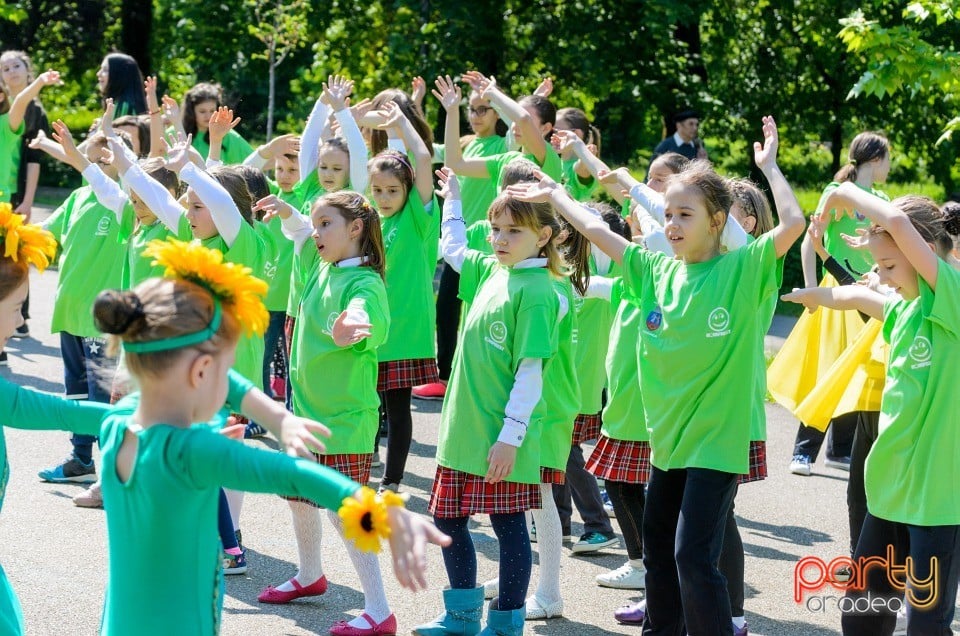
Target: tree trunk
<point x="272" y="91"/>
<point x="136" y="19"/>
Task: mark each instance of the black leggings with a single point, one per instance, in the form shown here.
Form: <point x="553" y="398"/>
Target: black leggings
<point x="448" y="319"/>
<point x="628" y="502"/>
<point x="395" y="413"/>
<point x="868" y="427"/>
<point x="731" y="562"/>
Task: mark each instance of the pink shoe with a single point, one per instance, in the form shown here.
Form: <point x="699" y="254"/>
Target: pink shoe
<point x="278" y="597"/>
<point x="432" y="391"/>
<point x="387" y="628"/>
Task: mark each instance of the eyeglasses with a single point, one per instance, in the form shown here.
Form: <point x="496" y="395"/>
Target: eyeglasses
<point x="479" y="111"/>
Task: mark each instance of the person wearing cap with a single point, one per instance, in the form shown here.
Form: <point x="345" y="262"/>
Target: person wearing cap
<point x="685" y="140"/>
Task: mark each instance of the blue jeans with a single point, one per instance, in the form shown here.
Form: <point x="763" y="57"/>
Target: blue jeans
<point x="87" y="371"/>
<point x="272" y="339"/>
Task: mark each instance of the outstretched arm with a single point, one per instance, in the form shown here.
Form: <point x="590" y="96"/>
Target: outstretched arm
<point x="792" y="223"/>
<point x="863" y="299"/>
<point x="19" y="106"/>
<point x="530" y="137"/>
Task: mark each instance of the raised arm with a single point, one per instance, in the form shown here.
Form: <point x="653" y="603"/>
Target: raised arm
<point x="453" y="230"/>
<point x="172" y="110"/>
<point x="221" y="123"/>
<point x="422" y="175"/>
<point x="530" y="137"/>
<point x="310" y="139"/>
<point x="336" y="91"/>
<point x="858" y="297"/>
<point x="792" y="223"/>
<point x="594" y="228"/>
<point x="223" y="211"/>
<point x="156" y="116"/>
<point x="448" y="94"/>
<point x="19" y="106"/>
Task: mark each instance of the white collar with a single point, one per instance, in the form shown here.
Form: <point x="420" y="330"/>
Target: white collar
<point x="529" y="263"/>
<point x="356" y="261"/>
<point x="677" y="139"/>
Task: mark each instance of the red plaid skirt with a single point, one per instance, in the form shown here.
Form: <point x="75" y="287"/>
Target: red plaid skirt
<point x="458" y="494"/>
<point x="552" y="476"/>
<point x="288" y="333"/>
<point x="586" y="428"/>
<point x="356" y="467"/>
<point x="758" y="463"/>
<point x="400" y="374"/>
<point x="620" y="460"/>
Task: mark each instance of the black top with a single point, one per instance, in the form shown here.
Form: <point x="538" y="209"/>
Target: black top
<point x="34" y="120"/>
<point x="670" y="145"/>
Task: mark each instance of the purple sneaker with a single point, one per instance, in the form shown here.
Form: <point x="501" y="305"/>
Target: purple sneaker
<point x="740" y="631"/>
<point x="631" y="614"/>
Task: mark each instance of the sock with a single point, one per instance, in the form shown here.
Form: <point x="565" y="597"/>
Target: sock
<point x="549" y="546"/>
<point x="460" y="557"/>
<point x="375" y="603"/>
<point x="515" y="559"/>
<point x="739" y="621"/>
<point x="233" y="551"/>
<point x="306" y="527"/>
<point x="235" y="500"/>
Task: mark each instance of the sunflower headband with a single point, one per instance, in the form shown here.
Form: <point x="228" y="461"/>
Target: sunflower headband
<point x="23" y="241"/>
<point x="234" y="289"/>
<point x="365" y="519"/>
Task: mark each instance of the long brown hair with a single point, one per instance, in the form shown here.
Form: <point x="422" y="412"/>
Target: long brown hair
<point x="378" y="138"/>
<point x="353" y="206"/>
<point x="928" y="219"/>
<point x="867" y="146"/>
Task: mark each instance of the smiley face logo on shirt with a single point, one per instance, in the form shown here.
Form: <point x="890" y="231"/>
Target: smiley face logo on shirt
<point x="103" y="227"/>
<point x="332" y="318"/>
<point x="719" y="319"/>
<point x="921" y="351"/>
<point x="498" y="332"/>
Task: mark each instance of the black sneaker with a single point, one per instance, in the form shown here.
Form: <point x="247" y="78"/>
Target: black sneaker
<point x="70" y="471"/>
<point x="23" y="331"/>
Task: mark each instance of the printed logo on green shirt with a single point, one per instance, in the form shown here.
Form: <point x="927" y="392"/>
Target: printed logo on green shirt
<point x="498" y="334"/>
<point x="270" y="269"/>
<point x="103" y="227"/>
<point x="719" y="322"/>
<point x="332" y="318"/>
<point x="921" y="352"/>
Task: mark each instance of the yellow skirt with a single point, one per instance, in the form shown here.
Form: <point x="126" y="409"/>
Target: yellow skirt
<point x="854" y="382"/>
<point x="816" y="342"/>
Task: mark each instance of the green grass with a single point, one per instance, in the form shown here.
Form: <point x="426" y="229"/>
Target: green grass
<point x="809" y="198"/>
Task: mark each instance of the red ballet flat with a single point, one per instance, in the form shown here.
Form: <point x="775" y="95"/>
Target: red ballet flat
<point x="278" y="597"/>
<point x="387" y="628"/>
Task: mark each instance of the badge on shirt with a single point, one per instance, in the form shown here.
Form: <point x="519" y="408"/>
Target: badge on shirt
<point x="654" y="319"/>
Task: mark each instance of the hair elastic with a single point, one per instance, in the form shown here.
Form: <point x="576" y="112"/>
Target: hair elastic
<point x="179" y="342"/>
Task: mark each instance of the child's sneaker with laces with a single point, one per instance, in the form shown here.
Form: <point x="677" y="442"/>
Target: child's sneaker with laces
<point x="800" y="465"/>
<point x="594" y="542"/>
<point x="71" y="470"/>
<point x="625" y="577"/>
<point x="235" y="563"/>
<point x="607" y="504"/>
<point x="253" y="430"/>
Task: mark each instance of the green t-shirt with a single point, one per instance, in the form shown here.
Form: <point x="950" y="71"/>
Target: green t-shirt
<point x="338" y="385"/>
<point x="410" y="239"/>
<point x="859" y="260"/>
<point x="594" y="320"/>
<point x="308" y="190"/>
<point x="697" y="362"/>
<point x="92" y="260"/>
<point x="137" y="267"/>
<point x="249" y="250"/>
<point x="233" y="150"/>
<point x="478" y="236"/>
<point x="477" y="193"/>
<point x="575" y="186"/>
<point x="173" y="492"/>
<point x="560" y="402"/>
<point x="513" y="315"/>
<point x="9" y="157"/>
<point x="551" y="164"/>
<point x="278" y="265"/>
<point x="623" y="416"/>
<point x="913" y="469"/>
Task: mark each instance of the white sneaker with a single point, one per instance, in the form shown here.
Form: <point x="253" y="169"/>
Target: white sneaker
<point x="800" y="465"/>
<point x="375" y="462"/>
<point x="625" y="577"/>
<point x="491" y="588"/>
<point x="901" y="627"/>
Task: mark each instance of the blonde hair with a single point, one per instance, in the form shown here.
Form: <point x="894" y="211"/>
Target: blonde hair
<point x="533" y="216"/>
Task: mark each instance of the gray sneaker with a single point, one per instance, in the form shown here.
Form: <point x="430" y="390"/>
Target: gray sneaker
<point x="70" y="471"/>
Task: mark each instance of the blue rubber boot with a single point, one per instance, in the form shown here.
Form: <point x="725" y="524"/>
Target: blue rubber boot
<point x="508" y="623"/>
<point x="463" y="610"/>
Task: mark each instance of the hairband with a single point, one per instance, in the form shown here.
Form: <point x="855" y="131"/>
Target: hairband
<point x="179" y="342"/>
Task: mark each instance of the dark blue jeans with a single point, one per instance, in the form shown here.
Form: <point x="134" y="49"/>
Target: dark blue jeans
<point x="921" y="544"/>
<point x="272" y="339"/>
<point x="87" y="373"/>
<point x="683" y="527"/>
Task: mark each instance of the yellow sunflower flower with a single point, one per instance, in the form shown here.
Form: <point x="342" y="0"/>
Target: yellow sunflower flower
<point x="35" y="245"/>
<point x="365" y="519"/>
<point x="239" y="291"/>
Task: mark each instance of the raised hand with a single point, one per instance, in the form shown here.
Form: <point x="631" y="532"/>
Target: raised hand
<point x="117" y="155"/>
<point x="449" y="186"/>
<point x="477" y="80"/>
<point x="545" y="89"/>
<point x="178" y="154"/>
<point x="221" y="123"/>
<point x="272" y="206"/>
<point x="349" y="331"/>
<point x="61" y="134"/>
<point x="361" y="108"/>
<point x="106" y="122"/>
<point x="49" y="78"/>
<point x="765" y="155"/>
<point x="564" y="140"/>
<point x="540" y="192"/>
<point x="336" y="90"/>
<point x="150" y="90"/>
<point x="418" y="90"/>
<point x="447" y="93"/>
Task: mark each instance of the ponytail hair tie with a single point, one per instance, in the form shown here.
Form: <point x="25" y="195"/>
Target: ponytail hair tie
<point x="136" y="310"/>
<point x="853" y="162"/>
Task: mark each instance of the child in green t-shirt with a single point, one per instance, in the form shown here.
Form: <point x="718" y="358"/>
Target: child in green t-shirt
<point x="200" y="103"/>
<point x="912" y="469"/>
<point x="693" y="359"/>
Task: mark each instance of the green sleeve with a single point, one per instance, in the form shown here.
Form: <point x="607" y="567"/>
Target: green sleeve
<point x="238" y="388"/>
<point x="372" y="299"/>
<point x="235" y="149"/>
<point x="209" y="459"/>
<point x="37" y="411"/>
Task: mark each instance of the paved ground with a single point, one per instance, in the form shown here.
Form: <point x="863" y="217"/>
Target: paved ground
<point x="54" y="553"/>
